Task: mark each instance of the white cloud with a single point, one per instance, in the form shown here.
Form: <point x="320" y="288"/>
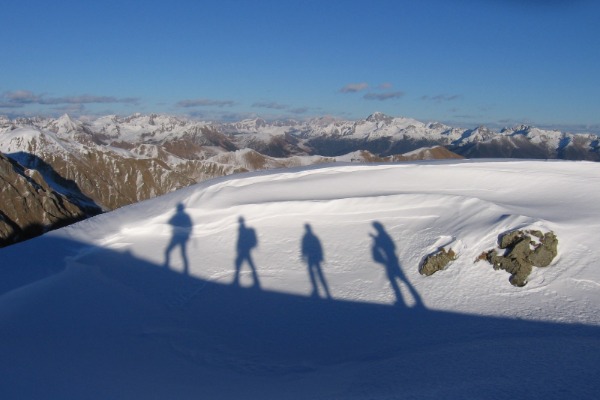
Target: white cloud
<point x="441" y="97"/>
<point x="19" y="98"/>
<point x="205" y="103"/>
<point x="269" y="104"/>
<point x="383" y="96"/>
<point x="354" y="87"/>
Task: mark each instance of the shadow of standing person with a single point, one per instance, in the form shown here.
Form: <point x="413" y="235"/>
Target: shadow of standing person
<point x="312" y="253"/>
<point x="247" y="240"/>
<point x="182" y="229"/>
<point x="384" y="252"/>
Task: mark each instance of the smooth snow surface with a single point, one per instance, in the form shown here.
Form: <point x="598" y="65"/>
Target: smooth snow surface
<point x="141" y="303"/>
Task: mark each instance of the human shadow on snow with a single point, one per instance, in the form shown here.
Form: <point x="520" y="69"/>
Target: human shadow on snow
<point x="182" y="227"/>
<point x="384" y="252"/>
<point x="113" y="325"/>
<point x="246" y="242"/>
<point x="312" y="254"/>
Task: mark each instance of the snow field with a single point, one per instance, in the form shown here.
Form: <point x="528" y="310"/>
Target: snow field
<point x="95" y="311"/>
<point x="459" y="205"/>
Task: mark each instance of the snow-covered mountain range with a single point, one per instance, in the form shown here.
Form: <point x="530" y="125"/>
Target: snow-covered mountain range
<point x="108" y="162"/>
<point x="144" y="136"/>
<point x="168" y="298"/>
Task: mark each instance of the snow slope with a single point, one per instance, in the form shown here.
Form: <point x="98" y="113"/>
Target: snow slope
<point x="113" y="308"/>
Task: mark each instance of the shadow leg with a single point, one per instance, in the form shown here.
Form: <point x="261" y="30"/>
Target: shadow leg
<point x="323" y="281"/>
<point x="238" y="266"/>
<point x="185" y="259"/>
<point x="396" y="289"/>
<point x="254" y="274"/>
<point x="313" y="281"/>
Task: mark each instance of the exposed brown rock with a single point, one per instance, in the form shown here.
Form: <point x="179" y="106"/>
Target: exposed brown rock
<point x="29" y="206"/>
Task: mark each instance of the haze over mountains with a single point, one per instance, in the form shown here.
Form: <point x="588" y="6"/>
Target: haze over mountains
<point x="89" y="165"/>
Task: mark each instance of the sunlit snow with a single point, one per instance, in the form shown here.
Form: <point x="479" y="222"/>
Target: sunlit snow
<point x="106" y="308"/>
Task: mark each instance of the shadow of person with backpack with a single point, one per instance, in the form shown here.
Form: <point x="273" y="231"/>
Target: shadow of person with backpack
<point x="247" y="240"/>
<point x="384" y="252"/>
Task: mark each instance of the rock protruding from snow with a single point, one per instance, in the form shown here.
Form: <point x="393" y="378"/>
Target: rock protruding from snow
<point x="437" y="261"/>
<point x="524" y="249"/>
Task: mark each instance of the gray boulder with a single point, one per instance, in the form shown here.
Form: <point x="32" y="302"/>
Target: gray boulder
<point x="523" y="250"/>
<point x="436" y="261"/>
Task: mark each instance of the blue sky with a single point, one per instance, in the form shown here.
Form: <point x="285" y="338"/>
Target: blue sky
<point x="465" y="62"/>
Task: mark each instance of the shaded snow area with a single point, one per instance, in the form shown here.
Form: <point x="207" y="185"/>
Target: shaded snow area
<point x="172" y="299"/>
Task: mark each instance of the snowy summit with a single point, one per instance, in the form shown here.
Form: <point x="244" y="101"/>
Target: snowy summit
<point x="305" y="284"/>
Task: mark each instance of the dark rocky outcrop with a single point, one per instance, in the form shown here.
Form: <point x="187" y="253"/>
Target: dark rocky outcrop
<point x="29" y="205"/>
<point x="523" y="250"/>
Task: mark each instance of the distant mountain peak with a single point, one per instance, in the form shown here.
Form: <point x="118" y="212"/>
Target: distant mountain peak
<point x="379" y="117"/>
<point x="324" y="120"/>
<point x="64" y="124"/>
<point x="522" y="128"/>
<point x="66" y="119"/>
